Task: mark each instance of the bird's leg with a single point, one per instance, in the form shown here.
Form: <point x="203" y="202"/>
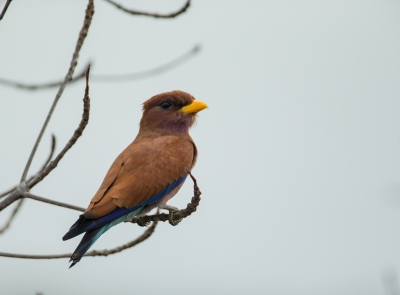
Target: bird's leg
<point x="139" y="220"/>
<point x="173" y="221"/>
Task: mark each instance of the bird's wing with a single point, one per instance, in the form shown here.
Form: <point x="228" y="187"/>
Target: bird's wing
<point x="142" y="171"/>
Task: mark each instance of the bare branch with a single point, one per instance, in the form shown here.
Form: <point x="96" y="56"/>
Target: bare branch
<point x="105" y="252"/>
<point x="52" y="202"/>
<point x="16" y="209"/>
<point x="19" y="191"/>
<point x="190" y="208"/>
<point x="5" y="9"/>
<point x="156" y="15"/>
<point x="7" y="192"/>
<point x="111" y="78"/>
<point x="78" y="132"/>
<point x="68" y="77"/>
<point x="152" y="72"/>
<point x="10" y="219"/>
<point x="131" y="244"/>
<point x="53" y="147"/>
<point x="41" y="86"/>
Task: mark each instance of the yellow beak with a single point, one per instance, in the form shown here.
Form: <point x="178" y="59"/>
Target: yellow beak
<point x="194" y="107"/>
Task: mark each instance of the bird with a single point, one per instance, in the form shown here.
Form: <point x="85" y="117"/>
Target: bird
<point x="147" y="173"/>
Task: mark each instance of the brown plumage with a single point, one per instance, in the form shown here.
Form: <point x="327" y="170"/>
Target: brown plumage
<point x="159" y="155"/>
<point x="148" y="172"/>
<point x="142" y="170"/>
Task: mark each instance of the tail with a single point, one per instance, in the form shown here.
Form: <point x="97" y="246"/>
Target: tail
<point x="87" y="241"/>
<point x="92" y="235"/>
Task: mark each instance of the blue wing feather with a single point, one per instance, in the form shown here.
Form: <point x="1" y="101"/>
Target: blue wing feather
<point x="94" y="228"/>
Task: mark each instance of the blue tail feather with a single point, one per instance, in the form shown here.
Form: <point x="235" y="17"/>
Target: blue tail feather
<point x="83" y="224"/>
<point x="94" y="228"/>
<point x="91" y="236"/>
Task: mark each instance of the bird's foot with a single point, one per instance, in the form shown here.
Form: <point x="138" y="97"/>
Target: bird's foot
<point x="138" y="220"/>
<point x="141" y="222"/>
<point x="172" y="220"/>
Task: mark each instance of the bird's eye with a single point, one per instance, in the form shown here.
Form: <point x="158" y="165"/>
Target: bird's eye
<point x="165" y="105"/>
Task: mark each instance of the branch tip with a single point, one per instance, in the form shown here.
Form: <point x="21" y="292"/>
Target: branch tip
<point x="82" y="35"/>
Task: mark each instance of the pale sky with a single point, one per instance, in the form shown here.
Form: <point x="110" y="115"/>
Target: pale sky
<point x="299" y="151"/>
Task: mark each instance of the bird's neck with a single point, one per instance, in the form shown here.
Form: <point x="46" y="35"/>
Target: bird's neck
<point x="164" y="132"/>
<point x="166" y="129"/>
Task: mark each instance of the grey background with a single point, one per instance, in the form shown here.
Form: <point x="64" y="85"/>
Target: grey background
<point x="299" y="159"/>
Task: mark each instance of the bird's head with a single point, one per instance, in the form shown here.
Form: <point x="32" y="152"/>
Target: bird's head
<point x="173" y="111"/>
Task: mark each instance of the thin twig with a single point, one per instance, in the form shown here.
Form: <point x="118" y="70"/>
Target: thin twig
<point x="105" y="252"/>
<point x="151" y="72"/>
<point x="111" y="78"/>
<point x="5" y="9"/>
<point x="156" y="15"/>
<point x="53" y="147"/>
<point x="17" y="194"/>
<point x="78" y="132"/>
<point x="18" y="207"/>
<point x="41" y="86"/>
<point x="68" y="77"/>
<point x="10" y="219"/>
<point x="131" y="244"/>
<point x="52" y="202"/>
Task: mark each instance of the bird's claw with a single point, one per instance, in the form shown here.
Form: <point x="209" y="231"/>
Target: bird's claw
<point x="141" y="222"/>
<point x="173" y="220"/>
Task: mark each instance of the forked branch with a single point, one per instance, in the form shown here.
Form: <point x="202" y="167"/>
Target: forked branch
<point x="52" y="149"/>
<point x="18" y="207"/>
<point x="190" y="208"/>
<point x="22" y="190"/>
<point x="23" y="186"/>
<point x="82" y="35"/>
<point x="78" y="132"/>
<point x="20" y="193"/>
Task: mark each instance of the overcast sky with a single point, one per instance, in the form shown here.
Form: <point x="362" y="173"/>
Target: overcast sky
<point x="299" y="151"/>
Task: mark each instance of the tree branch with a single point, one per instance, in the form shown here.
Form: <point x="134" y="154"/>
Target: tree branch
<point x="105" y="252"/>
<point x="41" y="86"/>
<point x="68" y="77"/>
<point x="10" y="219"/>
<point x="156" y="15"/>
<point x="16" y="209"/>
<point x="19" y="191"/>
<point x="110" y="78"/>
<point x="151" y="72"/>
<point x="52" y="202"/>
<point x="5" y="9"/>
<point x="53" y="147"/>
<point x="190" y="208"/>
<point x="78" y="132"/>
